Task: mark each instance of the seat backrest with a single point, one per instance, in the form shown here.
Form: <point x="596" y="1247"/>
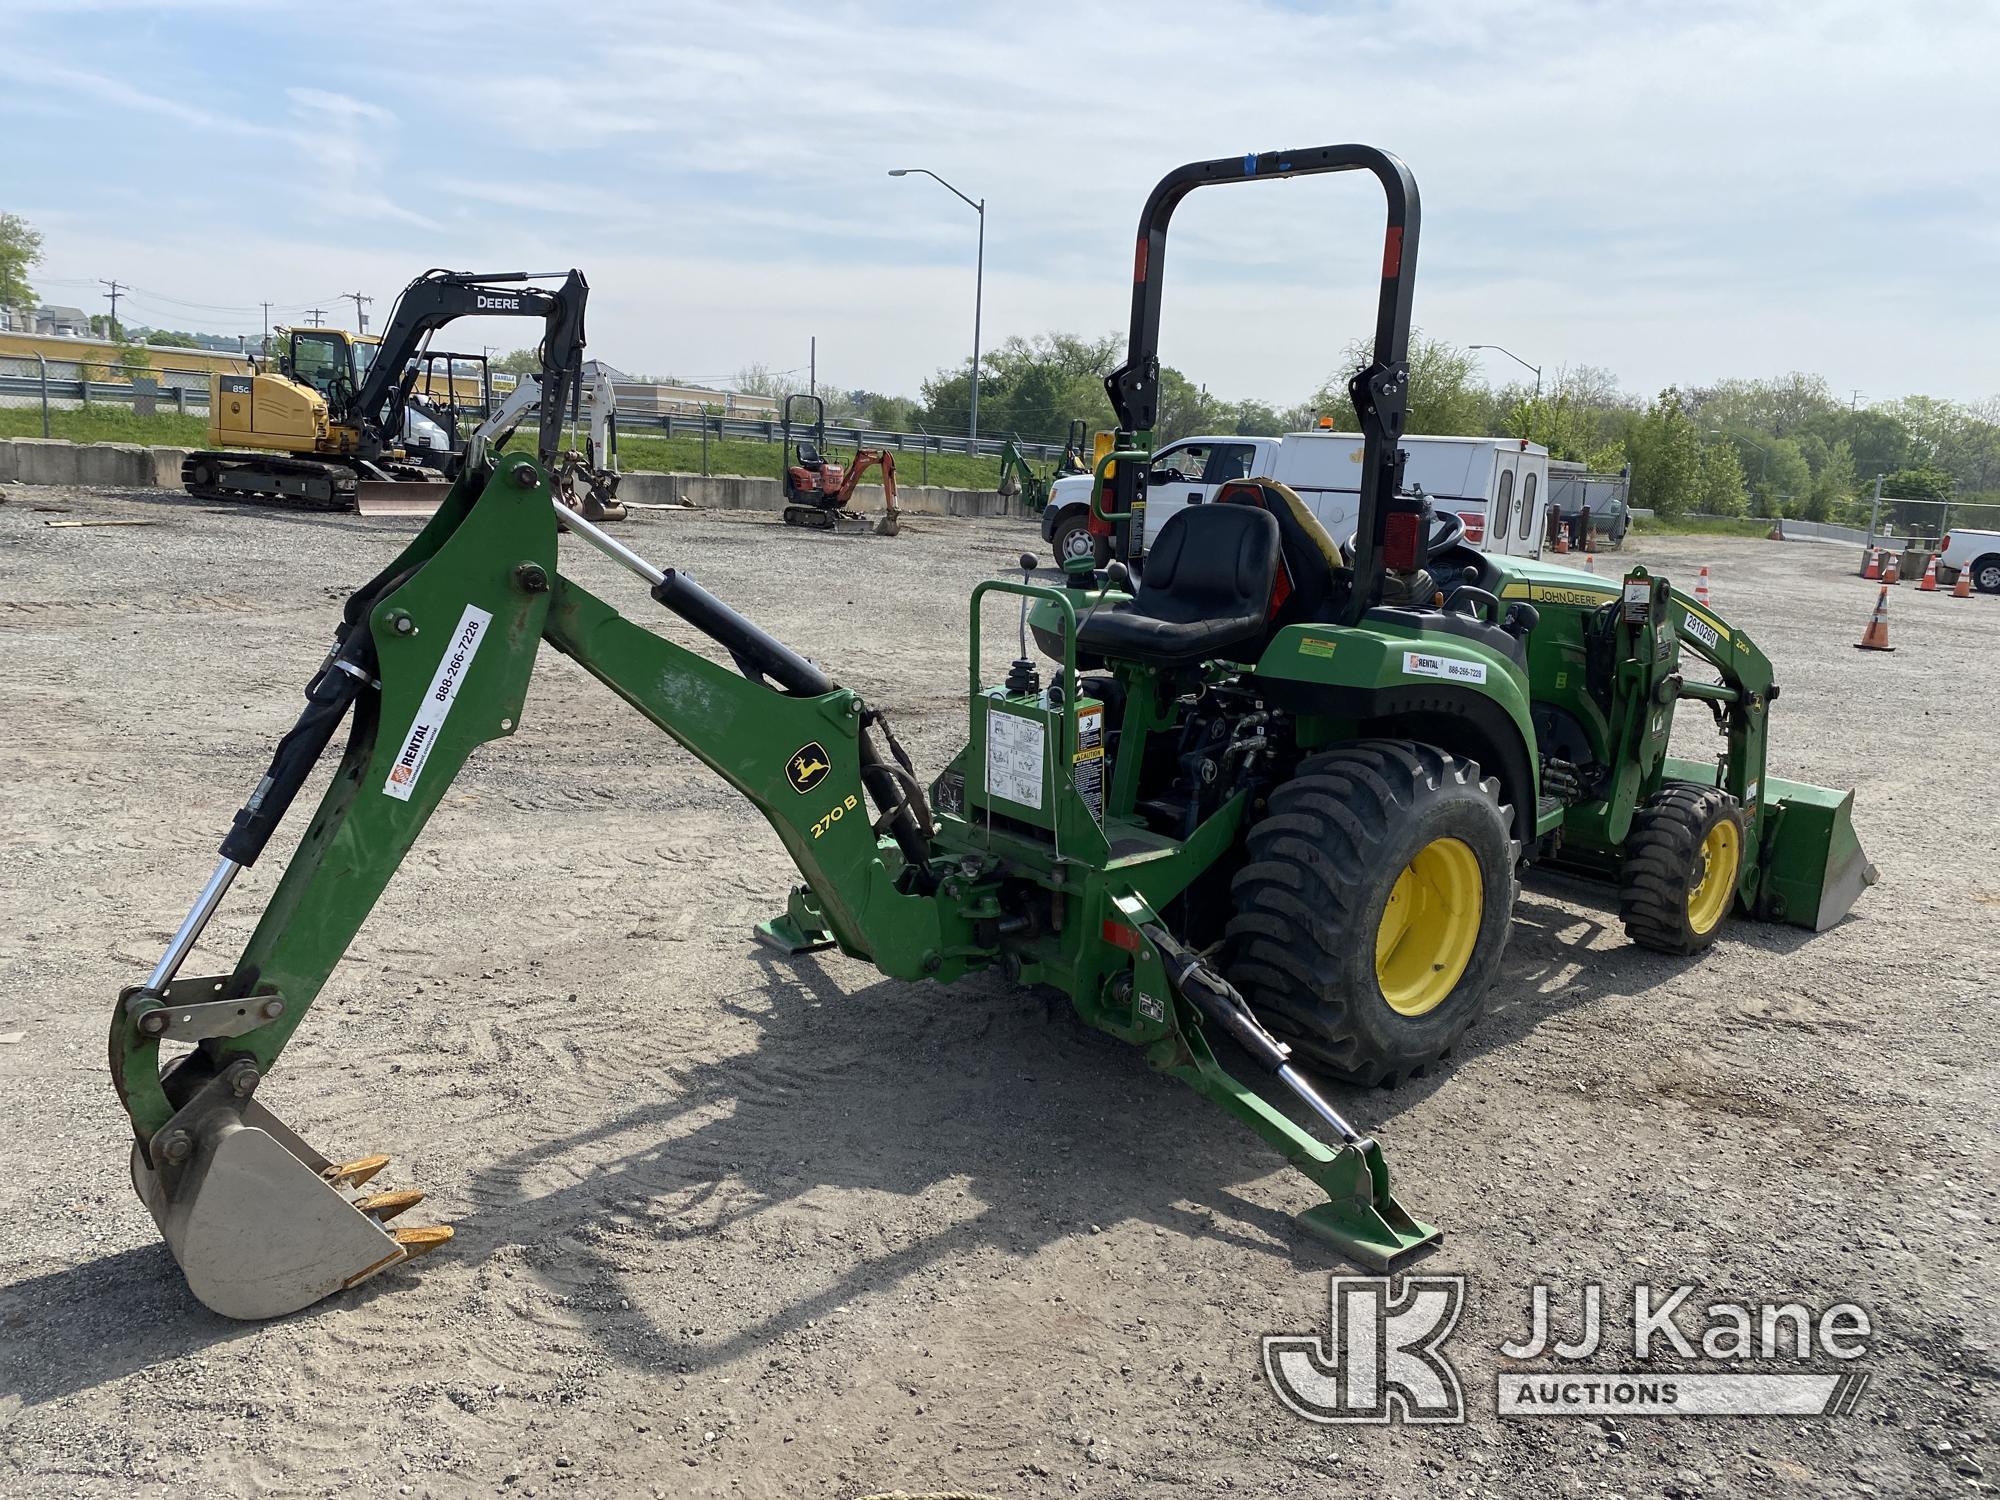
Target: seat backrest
<point x="1211" y="562"/>
<point x="808" y="455"/>
<point x="1306" y="589"/>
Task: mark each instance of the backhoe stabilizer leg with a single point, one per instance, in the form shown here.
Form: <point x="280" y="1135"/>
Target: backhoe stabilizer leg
<point x="1361" y="1217"/>
<point x="800" y="928"/>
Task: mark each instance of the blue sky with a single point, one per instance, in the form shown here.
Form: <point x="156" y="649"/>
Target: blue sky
<point x="1676" y="193"/>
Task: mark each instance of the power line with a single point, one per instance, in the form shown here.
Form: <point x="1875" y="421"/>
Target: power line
<point x="317" y="314"/>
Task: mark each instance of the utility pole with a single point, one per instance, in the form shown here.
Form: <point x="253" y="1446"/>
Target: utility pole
<point x="113" y="295"/>
<point x="267" y="331"/>
<point x="1874" y="511"/>
<point x="317" y="315"/>
<point x="812" y="367"/>
<point x="360" y="317"/>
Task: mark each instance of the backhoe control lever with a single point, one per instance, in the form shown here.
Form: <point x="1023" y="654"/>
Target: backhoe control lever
<point x="333" y="689"/>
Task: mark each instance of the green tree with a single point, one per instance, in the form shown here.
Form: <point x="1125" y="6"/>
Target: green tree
<point x="1665" y="453"/>
<point x="1722" y="491"/>
<point x="166" y="338"/>
<point x="1920" y="482"/>
<point x="520" y="362"/>
<point x="20" y="252"/>
<point x="132" y="360"/>
<point x="1833" y="486"/>
<point x="1445" y="398"/>
<point x="1785" y="481"/>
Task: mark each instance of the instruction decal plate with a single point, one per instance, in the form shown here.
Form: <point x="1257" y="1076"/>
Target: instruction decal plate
<point x="1450" y="668"/>
<point x="1015" y="758"/>
<point x="436" y="707"/>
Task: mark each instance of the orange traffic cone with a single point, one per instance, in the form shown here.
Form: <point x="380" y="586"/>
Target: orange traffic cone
<point x="1589" y="563"/>
<point x="1874" y="569"/>
<point x="1890" y="570"/>
<point x="1876" y="636"/>
<point x="1701" y="585"/>
<point x="1928" y="583"/>
<point x="1963" y="588"/>
<point x="1562" y="541"/>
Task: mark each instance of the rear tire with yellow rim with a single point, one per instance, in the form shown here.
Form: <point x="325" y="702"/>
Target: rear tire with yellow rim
<point x="1373" y="909"/>
<point x="1682" y="864"/>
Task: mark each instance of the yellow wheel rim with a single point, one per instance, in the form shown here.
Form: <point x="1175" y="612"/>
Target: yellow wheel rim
<point x="1715" y="880"/>
<point x="1429" y="927"/>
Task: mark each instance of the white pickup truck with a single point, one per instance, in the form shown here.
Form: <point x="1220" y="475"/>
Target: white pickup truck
<point x="1499" y="485"/>
<point x="1977" y="550"/>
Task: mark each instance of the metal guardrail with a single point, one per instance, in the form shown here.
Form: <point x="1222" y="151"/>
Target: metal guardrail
<point x="186" y="391"/>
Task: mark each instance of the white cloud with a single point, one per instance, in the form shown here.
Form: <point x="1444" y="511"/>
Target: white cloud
<point x="1676" y="194"/>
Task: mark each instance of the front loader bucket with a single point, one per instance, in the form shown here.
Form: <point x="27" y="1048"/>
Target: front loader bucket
<point x="1814" y="867"/>
<point x="257" y="1223"/>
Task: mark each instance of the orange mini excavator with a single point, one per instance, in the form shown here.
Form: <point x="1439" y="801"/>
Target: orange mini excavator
<point x="816" y="490"/>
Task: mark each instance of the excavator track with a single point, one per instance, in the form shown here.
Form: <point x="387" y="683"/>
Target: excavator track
<point x="296" y="483"/>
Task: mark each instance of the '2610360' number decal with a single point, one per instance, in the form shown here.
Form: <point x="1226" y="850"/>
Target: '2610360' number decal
<point x="840" y="810"/>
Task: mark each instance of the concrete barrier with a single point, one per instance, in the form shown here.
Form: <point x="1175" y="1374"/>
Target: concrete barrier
<point x="167" y="467"/>
<point x="45" y="461"/>
<point x="97" y="465"/>
<point x="114" y="466"/>
<point x="750" y="492"/>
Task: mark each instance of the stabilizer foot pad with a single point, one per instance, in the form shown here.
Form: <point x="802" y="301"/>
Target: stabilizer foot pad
<point x="1377" y="1237"/>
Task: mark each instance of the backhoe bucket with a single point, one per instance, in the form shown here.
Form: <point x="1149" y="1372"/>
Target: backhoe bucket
<point x="256" y="1220"/>
<point x="890" y="524"/>
<point x="1814" y="867"/>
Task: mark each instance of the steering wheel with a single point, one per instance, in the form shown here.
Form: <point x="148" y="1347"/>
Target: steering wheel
<point x="1448" y="530"/>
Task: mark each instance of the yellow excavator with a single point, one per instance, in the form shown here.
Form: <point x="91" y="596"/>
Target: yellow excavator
<point x="339" y="419"/>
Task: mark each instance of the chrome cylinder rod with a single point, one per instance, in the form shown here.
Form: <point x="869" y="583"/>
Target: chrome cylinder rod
<point x="609" y="545"/>
<point x="189" y="931"/>
<point x="1296" y="1082"/>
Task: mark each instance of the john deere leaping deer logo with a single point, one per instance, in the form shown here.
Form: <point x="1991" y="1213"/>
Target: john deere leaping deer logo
<point x="808" y="767"/>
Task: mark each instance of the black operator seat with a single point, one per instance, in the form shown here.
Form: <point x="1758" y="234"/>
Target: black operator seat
<point x="1206" y="590"/>
<point x="1313" y="578"/>
<point x="809" y="456"/>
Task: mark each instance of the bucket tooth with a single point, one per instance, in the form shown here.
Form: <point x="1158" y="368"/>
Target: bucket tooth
<point x="382" y="1207"/>
<point x="355" y="1173"/>
<point x="421" y="1239"/>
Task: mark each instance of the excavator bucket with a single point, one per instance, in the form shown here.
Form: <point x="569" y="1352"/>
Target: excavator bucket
<point x="257" y="1218"/>
<point x="889" y="525"/>
<point x="1814" y="867"/>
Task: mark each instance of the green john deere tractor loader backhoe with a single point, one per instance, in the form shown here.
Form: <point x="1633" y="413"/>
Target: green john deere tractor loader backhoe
<point x="1288" y="805"/>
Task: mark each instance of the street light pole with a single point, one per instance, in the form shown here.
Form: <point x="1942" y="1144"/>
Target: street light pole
<point x="978" y="282"/>
<point x="1524" y="365"/>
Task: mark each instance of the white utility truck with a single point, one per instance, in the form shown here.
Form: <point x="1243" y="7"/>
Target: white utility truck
<point x="1499" y="485"/>
<point x="1977" y="550"/>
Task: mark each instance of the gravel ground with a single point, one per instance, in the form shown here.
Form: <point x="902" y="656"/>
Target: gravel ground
<point x="730" y="1225"/>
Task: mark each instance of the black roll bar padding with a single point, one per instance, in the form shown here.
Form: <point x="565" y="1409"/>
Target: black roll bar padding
<point x="1383" y="386"/>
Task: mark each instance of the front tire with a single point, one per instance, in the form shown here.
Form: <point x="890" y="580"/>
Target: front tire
<point x="1683" y="859"/>
<point x="1072" y="539"/>
<point x="1986" y="574"/>
<point x="1374" y="909"/>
